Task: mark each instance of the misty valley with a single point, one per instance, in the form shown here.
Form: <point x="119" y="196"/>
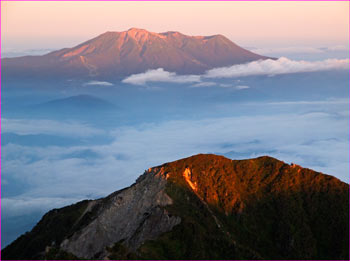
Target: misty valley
<point x="53" y="130"/>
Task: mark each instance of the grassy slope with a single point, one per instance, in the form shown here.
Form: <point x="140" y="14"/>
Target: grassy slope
<point x="272" y="211"/>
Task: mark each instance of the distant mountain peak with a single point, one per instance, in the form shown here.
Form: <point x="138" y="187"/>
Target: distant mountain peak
<point x="119" y="54"/>
<point x="134" y="30"/>
<point x="140" y="35"/>
<point x="75" y="104"/>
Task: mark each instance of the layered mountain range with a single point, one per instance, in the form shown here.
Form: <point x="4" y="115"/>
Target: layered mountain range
<point x="119" y="54"/>
<point x="202" y="207"/>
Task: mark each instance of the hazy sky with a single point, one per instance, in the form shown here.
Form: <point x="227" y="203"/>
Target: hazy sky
<point x="64" y="24"/>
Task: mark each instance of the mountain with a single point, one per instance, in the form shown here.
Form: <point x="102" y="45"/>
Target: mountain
<point x="82" y="107"/>
<point x="82" y="102"/>
<point x="202" y="207"/>
<point x="119" y="54"/>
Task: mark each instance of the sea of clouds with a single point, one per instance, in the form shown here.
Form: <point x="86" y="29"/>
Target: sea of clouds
<point x="57" y="175"/>
<point x="36" y="178"/>
<point x="269" y="67"/>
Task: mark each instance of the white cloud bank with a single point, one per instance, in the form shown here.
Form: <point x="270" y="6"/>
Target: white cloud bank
<point x="299" y="50"/>
<point x="338" y="48"/>
<point x="101" y="83"/>
<point x="289" y="50"/>
<point x="49" y="127"/>
<point x="262" y="67"/>
<point x="242" y="87"/>
<point x="21" y="205"/>
<point x="326" y="102"/>
<point x="159" y="75"/>
<point x="273" y="67"/>
<point x="317" y="140"/>
<point x="221" y="85"/>
<point x="203" y="84"/>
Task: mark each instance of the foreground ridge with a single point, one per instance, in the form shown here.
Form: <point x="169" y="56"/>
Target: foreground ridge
<point x="202" y="207"/>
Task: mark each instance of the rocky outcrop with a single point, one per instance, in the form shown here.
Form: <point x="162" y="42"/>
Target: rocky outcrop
<point x="133" y="216"/>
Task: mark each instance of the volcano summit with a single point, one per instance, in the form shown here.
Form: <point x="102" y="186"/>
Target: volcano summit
<point x="114" y="55"/>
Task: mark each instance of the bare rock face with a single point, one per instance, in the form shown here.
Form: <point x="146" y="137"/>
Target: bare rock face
<point x="133" y="216"/>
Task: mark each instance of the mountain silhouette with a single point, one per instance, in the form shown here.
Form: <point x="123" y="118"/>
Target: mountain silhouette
<point x="76" y="103"/>
<point x="119" y="54"/>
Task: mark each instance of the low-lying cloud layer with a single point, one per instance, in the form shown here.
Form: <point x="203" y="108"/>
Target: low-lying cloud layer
<point x="159" y="75"/>
<point x="221" y="85"/>
<point x="36" y="178"/>
<point x="48" y="127"/>
<point x="262" y="67"/>
<point x="13" y="52"/>
<point x="299" y="50"/>
<point x="99" y="83"/>
<point x="19" y="206"/>
<point x="317" y="139"/>
<point x="273" y="67"/>
<point x="288" y="50"/>
<point x="325" y="102"/>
